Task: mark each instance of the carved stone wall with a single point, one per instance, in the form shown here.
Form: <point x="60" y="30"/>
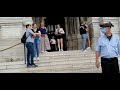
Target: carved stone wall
<point x="11" y="31"/>
<point x="72" y="33"/>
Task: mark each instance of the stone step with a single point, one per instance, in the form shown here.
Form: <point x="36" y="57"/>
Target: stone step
<point x="14" y="58"/>
<point x="54" y="56"/>
<point x="48" y="69"/>
<point x="54" y="62"/>
<point x="52" y="71"/>
<point x="51" y="54"/>
<point x="83" y="67"/>
<point x="68" y="60"/>
<point x="47" y="59"/>
<point x="70" y="70"/>
<point x="68" y="55"/>
<point x="68" y="52"/>
<point x="12" y="66"/>
<point x="51" y="60"/>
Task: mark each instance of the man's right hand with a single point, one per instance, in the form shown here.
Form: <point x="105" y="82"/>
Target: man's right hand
<point x="97" y="63"/>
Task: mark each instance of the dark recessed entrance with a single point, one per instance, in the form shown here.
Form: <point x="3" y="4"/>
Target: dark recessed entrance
<point x="51" y="22"/>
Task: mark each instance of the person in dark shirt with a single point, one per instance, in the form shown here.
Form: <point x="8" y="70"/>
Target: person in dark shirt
<point x="83" y="33"/>
<point x="45" y="44"/>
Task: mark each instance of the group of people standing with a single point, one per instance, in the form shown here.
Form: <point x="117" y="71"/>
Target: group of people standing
<point x="108" y="46"/>
<point x="37" y="41"/>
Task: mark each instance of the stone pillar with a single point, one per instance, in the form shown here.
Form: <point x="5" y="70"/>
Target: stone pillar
<point x="119" y="25"/>
<point x="72" y="33"/>
<point x="93" y="24"/>
<point x="68" y="36"/>
<point x="81" y="18"/>
<point x="78" y="35"/>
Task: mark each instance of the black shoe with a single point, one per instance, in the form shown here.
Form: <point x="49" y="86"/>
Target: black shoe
<point x="34" y="65"/>
<point x="28" y="65"/>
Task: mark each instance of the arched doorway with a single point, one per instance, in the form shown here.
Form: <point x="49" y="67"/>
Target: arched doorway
<point x="51" y="22"/>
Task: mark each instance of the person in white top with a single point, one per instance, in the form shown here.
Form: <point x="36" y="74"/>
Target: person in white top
<point x="59" y="34"/>
<point x="53" y="44"/>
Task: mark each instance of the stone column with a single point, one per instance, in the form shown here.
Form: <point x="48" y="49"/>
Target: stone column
<point x="81" y="18"/>
<point x="72" y="33"/>
<point x="93" y="24"/>
<point x="78" y="34"/>
<point x="68" y="37"/>
<point x="119" y="25"/>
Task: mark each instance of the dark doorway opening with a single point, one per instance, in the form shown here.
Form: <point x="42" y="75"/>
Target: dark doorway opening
<point x="50" y="23"/>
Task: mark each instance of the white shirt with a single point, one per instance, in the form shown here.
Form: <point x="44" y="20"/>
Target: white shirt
<point x="53" y="41"/>
<point x="60" y="31"/>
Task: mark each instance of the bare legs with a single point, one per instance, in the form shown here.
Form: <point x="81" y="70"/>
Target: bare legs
<point x="60" y="44"/>
<point x="58" y="40"/>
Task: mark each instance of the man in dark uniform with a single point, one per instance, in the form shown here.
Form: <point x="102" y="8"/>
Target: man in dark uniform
<point x="108" y="48"/>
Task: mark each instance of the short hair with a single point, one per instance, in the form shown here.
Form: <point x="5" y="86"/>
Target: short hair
<point x="27" y="25"/>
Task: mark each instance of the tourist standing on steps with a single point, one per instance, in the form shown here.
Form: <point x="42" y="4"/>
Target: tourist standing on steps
<point x="45" y="44"/>
<point x="59" y="32"/>
<point x="30" y="45"/>
<point x="83" y="33"/>
<point x="108" y="48"/>
<point x="36" y="41"/>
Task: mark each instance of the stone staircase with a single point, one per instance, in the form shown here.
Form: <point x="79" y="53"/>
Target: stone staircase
<point x="56" y="62"/>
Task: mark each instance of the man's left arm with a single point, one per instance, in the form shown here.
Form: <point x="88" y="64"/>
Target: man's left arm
<point x="119" y="47"/>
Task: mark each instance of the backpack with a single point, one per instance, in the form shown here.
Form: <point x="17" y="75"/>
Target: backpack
<point x="24" y="38"/>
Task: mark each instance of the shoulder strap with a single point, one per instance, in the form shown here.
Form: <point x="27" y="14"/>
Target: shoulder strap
<point x="28" y="35"/>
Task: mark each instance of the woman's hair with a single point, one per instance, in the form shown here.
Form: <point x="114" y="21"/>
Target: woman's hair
<point x="58" y="25"/>
<point x="33" y="24"/>
<point x="42" y="23"/>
